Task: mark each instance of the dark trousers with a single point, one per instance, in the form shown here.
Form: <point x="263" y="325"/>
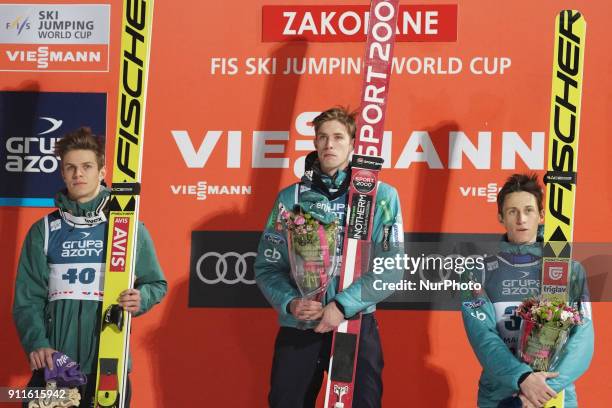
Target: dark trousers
<point x="87" y="391"/>
<point x="301" y="356"/>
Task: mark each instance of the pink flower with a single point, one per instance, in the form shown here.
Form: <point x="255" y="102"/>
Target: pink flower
<point x="299" y="220"/>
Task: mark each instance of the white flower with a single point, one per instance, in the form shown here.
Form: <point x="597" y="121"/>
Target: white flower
<point x="565" y="315"/>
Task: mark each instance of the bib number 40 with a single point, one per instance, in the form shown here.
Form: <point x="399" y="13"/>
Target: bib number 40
<point x="85" y="275"/>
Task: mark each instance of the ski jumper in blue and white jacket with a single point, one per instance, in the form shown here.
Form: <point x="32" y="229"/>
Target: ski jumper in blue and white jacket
<point x="272" y="268"/>
<point x="493" y="330"/>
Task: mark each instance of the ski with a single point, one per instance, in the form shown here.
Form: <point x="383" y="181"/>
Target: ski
<point x="562" y="166"/>
<point x="561" y="175"/>
<point x="115" y="323"/>
<point x="366" y="163"/>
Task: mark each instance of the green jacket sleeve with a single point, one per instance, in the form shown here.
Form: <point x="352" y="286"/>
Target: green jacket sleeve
<point x="31" y="291"/>
<point x="272" y="267"/>
<point x="150" y="280"/>
<point x="578" y="351"/>
<point x="494" y="356"/>
<point x="387" y="242"/>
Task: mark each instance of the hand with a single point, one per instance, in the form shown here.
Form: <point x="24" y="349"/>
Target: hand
<point x="525" y="401"/>
<point x="535" y="389"/>
<point x="42" y="357"/>
<point x="304" y="309"/>
<point x="130" y="300"/>
<point x="332" y="317"/>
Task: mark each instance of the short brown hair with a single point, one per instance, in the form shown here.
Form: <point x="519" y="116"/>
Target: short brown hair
<point x="81" y="139"/>
<point x="521" y="182"/>
<point x="339" y="113"/>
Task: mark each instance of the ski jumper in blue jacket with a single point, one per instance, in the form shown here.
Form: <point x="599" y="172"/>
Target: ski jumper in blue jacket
<point x="493" y="331"/>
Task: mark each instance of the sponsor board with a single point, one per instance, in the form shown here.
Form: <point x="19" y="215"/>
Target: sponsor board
<point x="221" y="272"/>
<point x="348" y="23"/>
<point x="461" y="150"/>
<point x="31" y="123"/>
<point x="53" y="37"/>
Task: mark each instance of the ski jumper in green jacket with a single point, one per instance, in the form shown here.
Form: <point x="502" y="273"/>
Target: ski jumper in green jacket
<point x="493" y="331"/>
<point x="59" y="287"/>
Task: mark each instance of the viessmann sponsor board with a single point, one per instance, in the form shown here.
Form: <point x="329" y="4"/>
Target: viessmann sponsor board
<point x="54" y="37"/>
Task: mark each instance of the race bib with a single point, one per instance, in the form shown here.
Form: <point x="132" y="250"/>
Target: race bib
<point x="78" y="281"/>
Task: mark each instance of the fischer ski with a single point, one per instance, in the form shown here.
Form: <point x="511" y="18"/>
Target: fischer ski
<point x="366" y="163"/>
<point x="561" y="175"/>
<point x="122" y="225"/>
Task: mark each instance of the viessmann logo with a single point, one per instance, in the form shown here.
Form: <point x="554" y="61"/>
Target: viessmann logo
<point x="460" y="149"/>
<point x="45" y="56"/>
<point x="202" y="190"/>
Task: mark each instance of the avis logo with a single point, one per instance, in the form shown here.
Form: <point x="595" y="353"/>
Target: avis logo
<point x="19" y="24"/>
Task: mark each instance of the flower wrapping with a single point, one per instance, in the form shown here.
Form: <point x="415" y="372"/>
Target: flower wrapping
<point x="545" y="328"/>
<point x="312" y="247"/>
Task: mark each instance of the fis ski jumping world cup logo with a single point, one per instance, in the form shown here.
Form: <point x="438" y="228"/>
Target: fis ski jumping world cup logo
<point x="19" y="24"/>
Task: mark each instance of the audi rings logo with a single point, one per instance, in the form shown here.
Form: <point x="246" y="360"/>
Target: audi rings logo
<point x="229" y="268"/>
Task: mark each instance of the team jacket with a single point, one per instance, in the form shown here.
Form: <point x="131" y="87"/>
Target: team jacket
<point x="272" y="268"/>
<point x="60" y="282"/>
<point x="493" y="331"/>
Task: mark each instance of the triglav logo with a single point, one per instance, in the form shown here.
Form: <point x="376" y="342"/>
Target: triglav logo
<point x="217" y="269"/>
<point x="555" y="272"/>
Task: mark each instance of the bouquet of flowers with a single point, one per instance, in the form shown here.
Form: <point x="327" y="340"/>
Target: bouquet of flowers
<point x="312" y="233"/>
<point x="545" y="330"/>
